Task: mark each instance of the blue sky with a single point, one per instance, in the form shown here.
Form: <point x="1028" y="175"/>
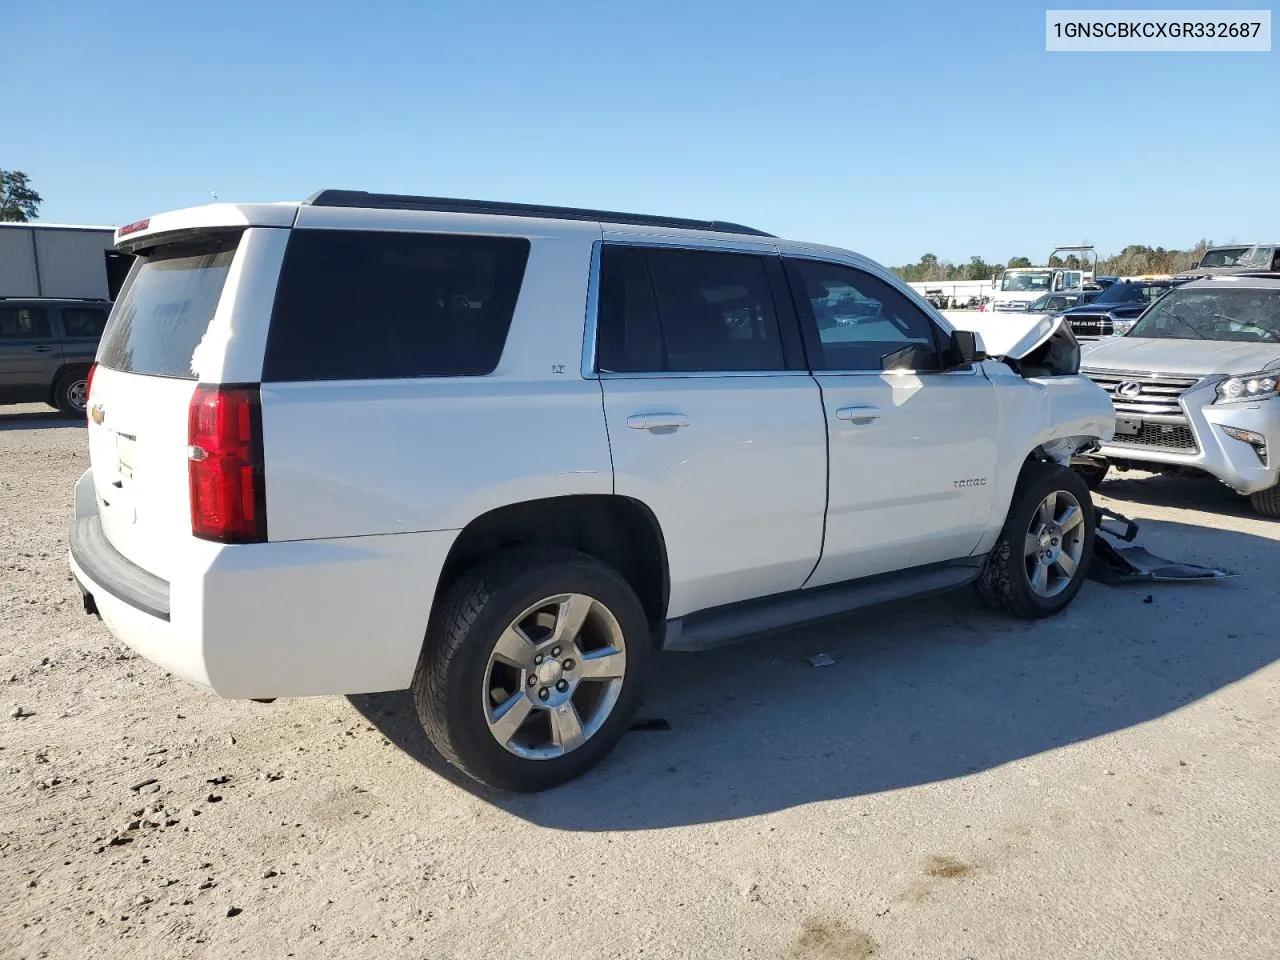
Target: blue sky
<point x="891" y="128"/>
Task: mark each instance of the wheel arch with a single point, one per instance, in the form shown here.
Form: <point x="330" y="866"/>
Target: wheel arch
<point x="620" y="531"/>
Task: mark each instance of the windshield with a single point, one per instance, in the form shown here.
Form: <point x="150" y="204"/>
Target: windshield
<point x="1259" y="255"/>
<point x="1239" y="315"/>
<point x="1026" y="282"/>
<point x="1222" y="257"/>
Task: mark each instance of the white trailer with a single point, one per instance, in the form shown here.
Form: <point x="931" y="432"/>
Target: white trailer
<point x="59" y="260"/>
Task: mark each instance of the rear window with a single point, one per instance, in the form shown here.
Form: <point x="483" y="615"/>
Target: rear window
<point x="164" y="311"/>
<point x="357" y="305"/>
<point x="83" y="322"/>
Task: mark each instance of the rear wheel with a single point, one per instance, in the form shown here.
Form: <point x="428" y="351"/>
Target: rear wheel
<point x="1266" y="503"/>
<point x="532" y="667"/>
<point x="1042" y="557"/>
<point x="71" y="393"/>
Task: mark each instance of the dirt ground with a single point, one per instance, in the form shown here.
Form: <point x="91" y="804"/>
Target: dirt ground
<point x="955" y="786"/>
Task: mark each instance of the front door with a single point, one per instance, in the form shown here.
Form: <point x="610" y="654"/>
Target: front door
<point x="712" y="423"/>
<point x="29" y="352"/>
<point x="912" y="449"/>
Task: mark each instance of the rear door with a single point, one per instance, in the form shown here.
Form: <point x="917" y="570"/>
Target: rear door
<point x="712" y="422"/>
<point x="81" y="329"/>
<point x="158" y="342"/>
<point x="913" y="449"/>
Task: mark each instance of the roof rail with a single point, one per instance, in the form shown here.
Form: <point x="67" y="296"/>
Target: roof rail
<point x="395" y="201"/>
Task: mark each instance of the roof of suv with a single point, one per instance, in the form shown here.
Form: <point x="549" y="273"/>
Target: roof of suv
<point x="394" y="201"/>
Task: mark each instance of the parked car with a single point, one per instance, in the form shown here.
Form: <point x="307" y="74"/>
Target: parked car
<point x="1215" y="260"/>
<point x="46" y="349"/>
<point x="1058" y="302"/>
<point x="1194" y="385"/>
<point x="319" y="432"/>
<point x="1115" y="309"/>
<point x="1227" y="261"/>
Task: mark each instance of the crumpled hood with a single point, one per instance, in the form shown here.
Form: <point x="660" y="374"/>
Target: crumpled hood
<point x="1198" y="358"/>
<point x="1006" y="334"/>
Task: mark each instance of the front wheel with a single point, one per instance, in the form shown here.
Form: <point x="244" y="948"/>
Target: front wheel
<point x="1092" y="469"/>
<point x="1266" y="503"/>
<point x="532" y="667"/>
<point x="1042" y="557"/>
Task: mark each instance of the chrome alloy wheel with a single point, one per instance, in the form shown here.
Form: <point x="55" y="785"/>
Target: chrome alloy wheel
<point x="1054" y="543"/>
<point x="78" y="395"/>
<point x="554" y="676"/>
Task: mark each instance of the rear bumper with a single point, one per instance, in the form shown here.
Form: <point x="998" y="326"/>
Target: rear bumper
<point x="294" y="618"/>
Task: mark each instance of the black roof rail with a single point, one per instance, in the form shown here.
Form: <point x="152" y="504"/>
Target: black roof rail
<point x="396" y="201"/>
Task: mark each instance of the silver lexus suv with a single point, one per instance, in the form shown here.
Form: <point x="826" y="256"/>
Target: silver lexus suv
<point x="1194" y="384"/>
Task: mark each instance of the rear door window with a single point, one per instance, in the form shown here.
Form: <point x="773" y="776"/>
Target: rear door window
<point x="360" y="305"/>
<point x="165" y="309"/>
<point x="83" y="323"/>
<point x="685" y="311"/>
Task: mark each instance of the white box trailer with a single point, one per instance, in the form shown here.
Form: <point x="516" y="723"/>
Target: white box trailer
<point x="59" y="260"/>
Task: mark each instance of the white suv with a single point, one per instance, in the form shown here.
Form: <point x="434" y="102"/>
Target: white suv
<point x="501" y="454"/>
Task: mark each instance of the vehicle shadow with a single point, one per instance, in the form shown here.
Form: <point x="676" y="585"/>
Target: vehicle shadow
<point x="1172" y="490"/>
<point x="37" y="418"/>
<point x="918" y="693"/>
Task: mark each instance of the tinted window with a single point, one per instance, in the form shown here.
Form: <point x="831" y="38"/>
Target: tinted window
<point x="23" y="323"/>
<point x="355" y="305"/>
<point x="164" y="311"/>
<point x="686" y="311"/>
<point x="86" y="322"/>
<point x="861" y="322"/>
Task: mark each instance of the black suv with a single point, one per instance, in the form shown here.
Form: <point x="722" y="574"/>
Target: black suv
<point x="46" y="349"/>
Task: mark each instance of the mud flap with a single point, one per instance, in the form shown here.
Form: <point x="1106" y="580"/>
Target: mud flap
<point x="1115" y="564"/>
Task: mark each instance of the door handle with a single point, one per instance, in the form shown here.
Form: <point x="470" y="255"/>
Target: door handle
<point x="858" y="414"/>
<point x="657" y="421"/>
<point x="42" y="349"/>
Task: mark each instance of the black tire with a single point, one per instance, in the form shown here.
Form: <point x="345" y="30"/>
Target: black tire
<point x="1266" y="503"/>
<point x="1093" y="471"/>
<point x="1004" y="583"/>
<point x="465" y="625"/>
<point x="71" y="393"/>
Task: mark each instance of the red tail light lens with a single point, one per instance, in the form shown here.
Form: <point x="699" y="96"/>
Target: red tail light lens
<point x="228" y="489"/>
<point x="88" y="383"/>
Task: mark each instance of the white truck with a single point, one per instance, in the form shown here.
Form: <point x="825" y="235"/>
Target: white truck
<point x="60" y="261"/>
<point x="502" y="454"/>
<point x="1018" y="287"/>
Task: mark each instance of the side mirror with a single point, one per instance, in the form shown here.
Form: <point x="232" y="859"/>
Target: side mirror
<point x="964" y="349"/>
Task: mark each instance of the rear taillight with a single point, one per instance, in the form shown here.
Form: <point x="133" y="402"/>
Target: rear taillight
<point x="228" y="489"/>
<point x="88" y="383"/>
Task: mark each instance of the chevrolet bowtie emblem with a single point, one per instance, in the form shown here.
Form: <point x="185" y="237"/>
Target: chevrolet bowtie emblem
<point x="97" y="414"/>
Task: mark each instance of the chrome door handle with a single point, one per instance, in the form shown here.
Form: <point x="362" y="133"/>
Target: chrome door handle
<point x="858" y="414"/>
<point x="657" y="421"/>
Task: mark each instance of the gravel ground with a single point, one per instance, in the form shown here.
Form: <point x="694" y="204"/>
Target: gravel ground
<point x="954" y="786"/>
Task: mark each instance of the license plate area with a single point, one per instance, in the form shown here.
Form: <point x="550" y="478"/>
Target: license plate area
<point x="1128" y="426"/>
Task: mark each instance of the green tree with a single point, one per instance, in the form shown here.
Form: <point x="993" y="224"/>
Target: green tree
<point x="18" y="202"/>
<point x="1019" y="262"/>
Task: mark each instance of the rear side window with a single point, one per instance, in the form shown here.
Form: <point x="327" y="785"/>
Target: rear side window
<point x="357" y="305"/>
<point x="164" y="311"/>
<point x="23" y="323"/>
<point x="83" y="323"/>
<point x="683" y="311"/>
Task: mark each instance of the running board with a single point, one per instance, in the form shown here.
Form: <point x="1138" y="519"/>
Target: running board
<point x="719" y="626"/>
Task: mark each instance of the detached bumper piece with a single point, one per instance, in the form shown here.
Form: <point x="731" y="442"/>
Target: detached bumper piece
<point x="1115" y="564"/>
<point x="112" y="573"/>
